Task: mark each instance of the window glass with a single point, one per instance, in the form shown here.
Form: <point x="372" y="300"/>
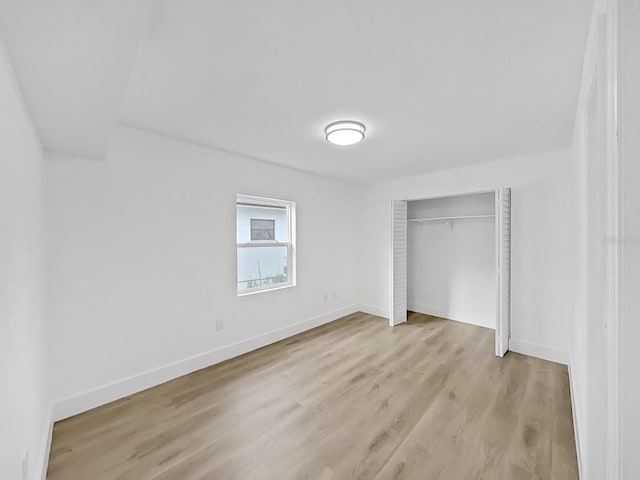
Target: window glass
<point x="262" y="229"/>
<point x="262" y="267"/>
<point x="265" y="247"/>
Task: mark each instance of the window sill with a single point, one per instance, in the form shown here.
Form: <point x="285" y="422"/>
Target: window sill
<point x="264" y="290"/>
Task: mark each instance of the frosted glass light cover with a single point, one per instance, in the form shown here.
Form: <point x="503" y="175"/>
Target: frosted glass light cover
<point x="345" y="133"/>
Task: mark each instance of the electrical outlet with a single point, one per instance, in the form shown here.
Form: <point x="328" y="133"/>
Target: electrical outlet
<point x="335" y="295"/>
<point x="25" y="465"/>
<point x="219" y="324"/>
<point x="326" y="297"/>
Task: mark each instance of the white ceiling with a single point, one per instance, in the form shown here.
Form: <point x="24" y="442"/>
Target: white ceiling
<point x="73" y="59"/>
<point x="438" y="84"/>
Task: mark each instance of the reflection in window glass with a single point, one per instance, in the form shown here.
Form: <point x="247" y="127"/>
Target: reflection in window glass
<point x="262" y="229"/>
<point x="265" y="256"/>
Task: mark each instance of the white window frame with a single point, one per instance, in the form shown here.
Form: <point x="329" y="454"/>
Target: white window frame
<point x="290" y="207"/>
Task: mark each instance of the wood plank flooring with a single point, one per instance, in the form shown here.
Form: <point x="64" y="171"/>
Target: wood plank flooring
<point x="354" y="399"/>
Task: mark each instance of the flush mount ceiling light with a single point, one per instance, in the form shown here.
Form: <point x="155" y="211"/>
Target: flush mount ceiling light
<point x="345" y="132"/>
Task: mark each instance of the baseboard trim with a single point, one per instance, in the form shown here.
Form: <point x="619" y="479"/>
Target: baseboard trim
<point x="96" y="397"/>
<point x="374" y="310"/>
<point x="429" y="310"/>
<point x="539" y="351"/>
<point x="574" y="413"/>
<point x="44" y="448"/>
<point x="443" y="313"/>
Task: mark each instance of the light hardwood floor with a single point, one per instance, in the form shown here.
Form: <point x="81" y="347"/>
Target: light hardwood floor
<point x="351" y="399"/>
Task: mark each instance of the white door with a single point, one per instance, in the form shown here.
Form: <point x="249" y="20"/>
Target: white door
<point x="398" y="301"/>
<point x="503" y="260"/>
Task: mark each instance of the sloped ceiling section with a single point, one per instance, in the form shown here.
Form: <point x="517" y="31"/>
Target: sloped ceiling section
<point x="73" y="59"/>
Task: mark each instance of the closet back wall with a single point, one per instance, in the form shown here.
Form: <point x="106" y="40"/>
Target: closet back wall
<point x="451" y="264"/>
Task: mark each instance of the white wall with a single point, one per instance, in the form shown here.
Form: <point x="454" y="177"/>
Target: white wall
<point x="630" y="112"/>
<point x="142" y="257"/>
<point x="451" y="269"/>
<point x="23" y="397"/>
<point x="542" y="236"/>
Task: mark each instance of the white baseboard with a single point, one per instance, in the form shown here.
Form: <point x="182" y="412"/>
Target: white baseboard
<point x="84" y="401"/>
<point x="526" y="348"/>
<point x="42" y="462"/>
<point x="539" y="351"/>
<point x="429" y="310"/>
<point x="574" y="412"/>
<point x="374" y="310"/>
<point x="444" y="313"/>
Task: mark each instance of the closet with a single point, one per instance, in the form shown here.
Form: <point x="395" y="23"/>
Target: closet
<point x="450" y="257"/>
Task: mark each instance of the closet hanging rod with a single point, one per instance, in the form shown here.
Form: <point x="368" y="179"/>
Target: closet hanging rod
<point x="460" y="217"/>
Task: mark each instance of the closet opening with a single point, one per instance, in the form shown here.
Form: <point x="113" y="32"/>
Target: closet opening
<point x="450" y="258"/>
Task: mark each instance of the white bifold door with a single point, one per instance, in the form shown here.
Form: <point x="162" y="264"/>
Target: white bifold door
<point x="398" y="301"/>
<point x="503" y="268"/>
<point x="398" y="287"/>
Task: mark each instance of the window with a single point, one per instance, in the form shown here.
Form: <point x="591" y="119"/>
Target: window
<point x="265" y="240"/>
<point x="262" y="229"/>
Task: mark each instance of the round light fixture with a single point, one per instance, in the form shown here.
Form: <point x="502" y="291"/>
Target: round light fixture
<point x="345" y="132"/>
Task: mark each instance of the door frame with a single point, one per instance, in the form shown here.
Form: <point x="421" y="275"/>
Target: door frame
<point x="498" y="327"/>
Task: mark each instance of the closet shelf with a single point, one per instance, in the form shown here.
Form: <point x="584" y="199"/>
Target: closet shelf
<point x="436" y="219"/>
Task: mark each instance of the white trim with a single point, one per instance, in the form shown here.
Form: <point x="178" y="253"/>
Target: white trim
<point x="265" y="243"/>
<point x="290" y="208"/>
<point x="430" y="310"/>
<point x="424" y="309"/>
<point x="539" y="351"/>
<point x="502" y="226"/>
<point x="276" y="286"/>
<point x="614" y="451"/>
<point x="374" y="310"/>
<point x="44" y="448"/>
<point x="93" y="398"/>
<point x="573" y="393"/>
<point x="398" y="263"/>
<point x="444" y="313"/>
<point x="525" y="348"/>
<point x="448" y="195"/>
<point x="262" y="201"/>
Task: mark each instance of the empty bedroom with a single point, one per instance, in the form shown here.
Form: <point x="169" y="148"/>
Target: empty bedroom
<point x="319" y="240"/>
